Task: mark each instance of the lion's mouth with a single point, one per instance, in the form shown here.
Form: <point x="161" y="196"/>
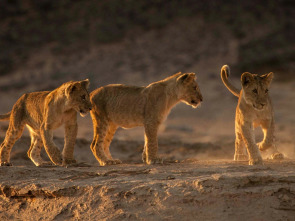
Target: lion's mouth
<point x="83" y="113"/>
<point x="195" y="103"/>
<point x="258" y="107"/>
<point x="85" y="110"/>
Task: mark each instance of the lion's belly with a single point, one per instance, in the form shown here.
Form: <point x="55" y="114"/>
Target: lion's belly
<point x="127" y="120"/>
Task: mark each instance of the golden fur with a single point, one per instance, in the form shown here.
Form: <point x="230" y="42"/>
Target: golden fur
<point x="254" y="109"/>
<point x="42" y="112"/>
<point x="130" y="106"/>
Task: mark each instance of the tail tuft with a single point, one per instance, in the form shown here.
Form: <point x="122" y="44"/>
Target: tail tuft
<point x="225" y="71"/>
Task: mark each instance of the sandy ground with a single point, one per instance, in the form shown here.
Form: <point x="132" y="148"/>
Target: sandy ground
<point x="185" y="187"/>
<point x="182" y="189"/>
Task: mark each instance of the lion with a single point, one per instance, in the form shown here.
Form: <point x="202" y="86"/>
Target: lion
<point x="124" y="106"/>
<point x="254" y="109"/>
<point x="42" y="112"/>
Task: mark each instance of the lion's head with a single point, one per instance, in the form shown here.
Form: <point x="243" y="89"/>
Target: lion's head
<point x="188" y="90"/>
<point x="255" y="89"/>
<point x="78" y="96"/>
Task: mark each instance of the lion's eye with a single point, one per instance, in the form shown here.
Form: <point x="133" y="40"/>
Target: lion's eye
<point x="83" y="97"/>
<point x="266" y="91"/>
<point x="255" y="91"/>
<point x="195" y="88"/>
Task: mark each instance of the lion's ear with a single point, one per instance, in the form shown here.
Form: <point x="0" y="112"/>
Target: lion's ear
<point x="246" y="78"/>
<point x="186" y="78"/>
<point x="85" y="83"/>
<point x="268" y="78"/>
<point x="71" y="88"/>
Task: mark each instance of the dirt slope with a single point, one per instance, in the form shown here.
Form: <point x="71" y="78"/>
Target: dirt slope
<point x="185" y="187"/>
<point x="190" y="190"/>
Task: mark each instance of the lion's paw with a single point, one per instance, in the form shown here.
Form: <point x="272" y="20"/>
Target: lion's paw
<point x="117" y="161"/>
<point x="112" y="162"/>
<point x="156" y="160"/>
<point x="257" y="161"/>
<point x="144" y="157"/>
<point x="264" y="146"/>
<point x="7" y="164"/>
<point x="69" y="161"/>
<point x="57" y="160"/>
<point x="45" y="164"/>
<point x="277" y="156"/>
<point x="241" y="157"/>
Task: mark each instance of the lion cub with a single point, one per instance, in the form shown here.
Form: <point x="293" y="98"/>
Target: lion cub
<point x="42" y="112"/>
<point x="254" y="109"/>
<point x="130" y="106"/>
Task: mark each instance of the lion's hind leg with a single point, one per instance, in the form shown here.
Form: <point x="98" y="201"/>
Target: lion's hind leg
<point x="109" y="136"/>
<point x="34" y="152"/>
<point x="101" y="127"/>
<point x="13" y="133"/>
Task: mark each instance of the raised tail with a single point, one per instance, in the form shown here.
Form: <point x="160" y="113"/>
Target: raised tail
<point x="224" y="77"/>
<point x="4" y="117"/>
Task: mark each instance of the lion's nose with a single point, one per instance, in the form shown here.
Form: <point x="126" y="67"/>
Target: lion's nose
<point x="90" y="108"/>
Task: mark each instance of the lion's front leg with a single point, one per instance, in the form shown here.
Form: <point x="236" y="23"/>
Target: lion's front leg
<point x="144" y="154"/>
<point x="240" y="151"/>
<point x="151" y="144"/>
<point x="71" y="130"/>
<point x="268" y="131"/>
<point x="268" y="142"/>
<point x="51" y="149"/>
<point x="249" y="140"/>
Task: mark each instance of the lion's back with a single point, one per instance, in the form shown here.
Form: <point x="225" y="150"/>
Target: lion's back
<point x="124" y="105"/>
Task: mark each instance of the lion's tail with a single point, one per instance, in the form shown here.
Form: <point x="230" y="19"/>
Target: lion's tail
<point x="224" y="77"/>
<point x="4" y="117"/>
